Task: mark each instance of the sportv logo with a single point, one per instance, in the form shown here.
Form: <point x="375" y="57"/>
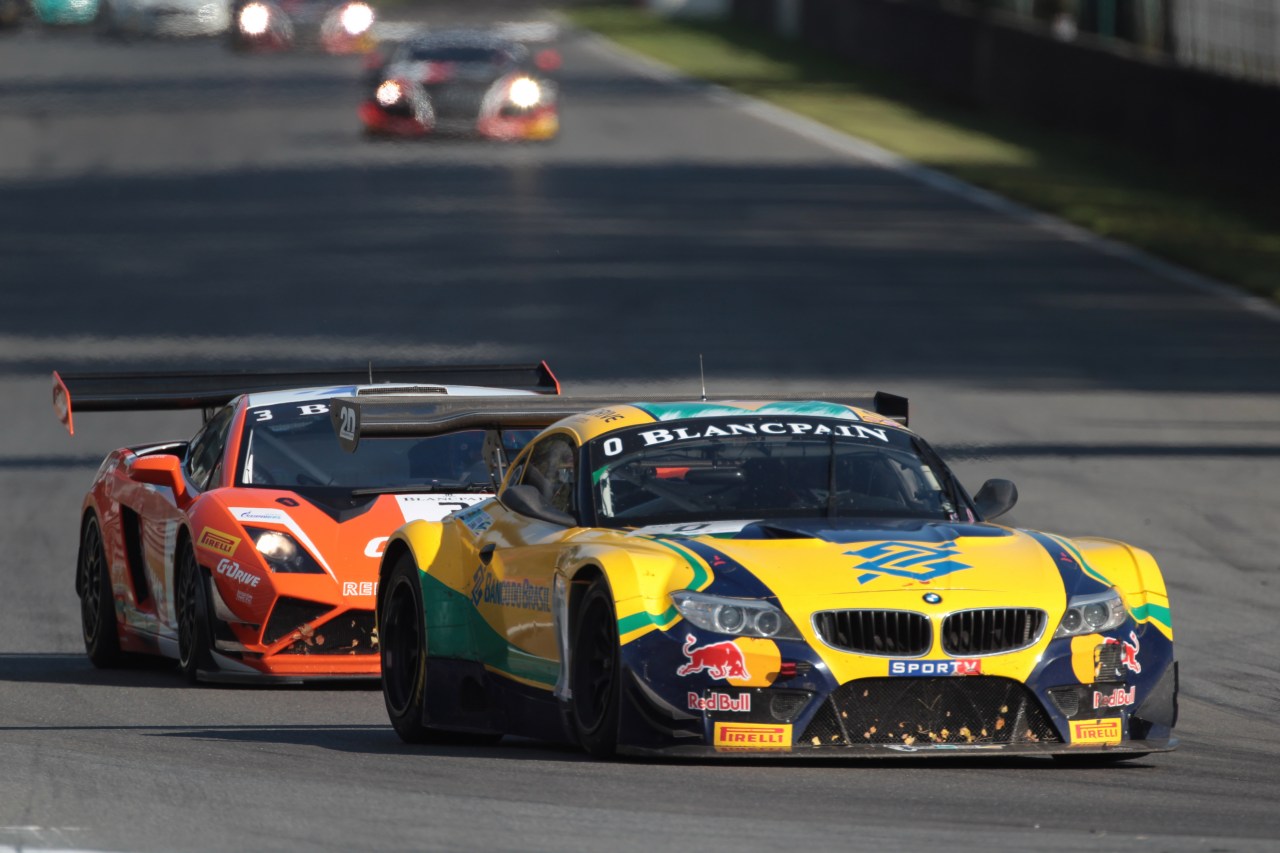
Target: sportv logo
<point x="926" y="668"/>
<point x="910" y="560"/>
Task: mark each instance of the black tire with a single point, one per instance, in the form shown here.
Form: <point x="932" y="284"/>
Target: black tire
<point x="402" y="641"/>
<point x="191" y="602"/>
<point x="595" y="675"/>
<point x="97" y="602"/>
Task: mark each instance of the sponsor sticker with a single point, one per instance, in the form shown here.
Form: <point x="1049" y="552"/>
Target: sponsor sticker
<point x="720" y="702"/>
<point x="435" y="507"/>
<point x="353" y="589"/>
<point x="231" y="570"/>
<point x="269" y="516"/>
<point x="243" y="597"/>
<point x="909" y="560"/>
<point x="521" y="594"/>
<point x="752" y="737"/>
<point x="718" y="660"/>
<point x="1118" y="698"/>
<point x="476" y="519"/>
<point x="1096" y="731"/>
<point x="932" y="668"/>
<point x="216" y="540"/>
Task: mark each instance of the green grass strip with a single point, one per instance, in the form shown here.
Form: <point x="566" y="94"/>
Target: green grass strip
<point x="1217" y="228"/>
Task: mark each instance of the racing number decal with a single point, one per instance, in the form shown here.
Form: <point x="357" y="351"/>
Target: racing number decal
<point x="347" y="429"/>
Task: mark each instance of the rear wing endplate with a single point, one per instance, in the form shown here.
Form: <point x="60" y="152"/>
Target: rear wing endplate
<point x="118" y="392"/>
<point x="355" y="418"/>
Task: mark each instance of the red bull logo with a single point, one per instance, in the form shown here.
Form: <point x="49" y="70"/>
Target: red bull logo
<point x="751" y="737"/>
<point x="720" y="702"/>
<point x="1096" y="731"/>
<point x="1128" y="654"/>
<point x="719" y="660"/>
<point x="1118" y="698"/>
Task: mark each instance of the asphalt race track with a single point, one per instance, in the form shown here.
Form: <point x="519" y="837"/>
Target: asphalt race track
<point x="166" y="204"/>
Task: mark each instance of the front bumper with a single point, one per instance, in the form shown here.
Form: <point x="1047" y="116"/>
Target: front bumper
<point x="671" y="708"/>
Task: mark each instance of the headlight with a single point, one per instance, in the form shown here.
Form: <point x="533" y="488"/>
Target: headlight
<point x="356" y="18"/>
<point x="525" y="93"/>
<point x="254" y="19"/>
<point x="283" y="553"/>
<point x="741" y="617"/>
<point x="1087" y="614"/>
<point x="389" y="93"/>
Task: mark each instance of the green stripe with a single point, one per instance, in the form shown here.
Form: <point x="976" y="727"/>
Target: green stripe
<point x="1154" y="612"/>
<point x="455" y="629"/>
<point x="644" y="618"/>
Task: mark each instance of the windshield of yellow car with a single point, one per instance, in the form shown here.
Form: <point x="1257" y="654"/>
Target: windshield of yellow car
<point x="762" y="468"/>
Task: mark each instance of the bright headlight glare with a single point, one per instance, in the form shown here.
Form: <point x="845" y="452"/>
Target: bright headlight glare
<point x="525" y="92"/>
<point x="389" y="93"/>
<point x="254" y="19"/>
<point x="356" y="18"/>
<point x="1088" y="614"/>
<point x="282" y="552"/>
<point x="739" y="617"/>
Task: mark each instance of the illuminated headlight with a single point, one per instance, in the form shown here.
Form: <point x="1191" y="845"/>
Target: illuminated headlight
<point x="356" y="18"/>
<point x="525" y="93"/>
<point x="389" y="93"/>
<point x="254" y="19"/>
<point x="1087" y="614"/>
<point x="283" y="553"/>
<point x="740" y="617"/>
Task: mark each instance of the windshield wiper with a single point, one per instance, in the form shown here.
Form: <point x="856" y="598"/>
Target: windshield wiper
<point x="424" y="489"/>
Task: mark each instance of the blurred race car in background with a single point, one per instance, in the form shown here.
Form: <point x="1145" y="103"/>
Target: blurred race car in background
<point x="333" y="26"/>
<point x="250" y="552"/>
<point x="785" y="577"/>
<point x="163" y="18"/>
<point x="13" y="12"/>
<point x="65" y="12"/>
<point x="463" y="83"/>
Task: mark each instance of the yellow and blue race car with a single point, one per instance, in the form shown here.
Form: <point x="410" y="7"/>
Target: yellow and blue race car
<point x="777" y="578"/>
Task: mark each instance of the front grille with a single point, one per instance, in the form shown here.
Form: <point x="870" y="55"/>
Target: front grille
<point x="990" y="631"/>
<point x="875" y="632"/>
<point x="454" y="100"/>
<point x="919" y="711"/>
<point x="292" y="615"/>
<point x="351" y="633"/>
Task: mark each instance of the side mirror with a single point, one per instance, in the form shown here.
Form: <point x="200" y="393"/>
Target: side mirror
<point x="995" y="498"/>
<point x="160" y="470"/>
<point x="527" y="500"/>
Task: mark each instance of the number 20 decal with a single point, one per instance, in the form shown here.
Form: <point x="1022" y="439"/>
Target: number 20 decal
<point x="348" y="428"/>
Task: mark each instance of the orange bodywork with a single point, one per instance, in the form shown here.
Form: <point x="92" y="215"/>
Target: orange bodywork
<point x="266" y="624"/>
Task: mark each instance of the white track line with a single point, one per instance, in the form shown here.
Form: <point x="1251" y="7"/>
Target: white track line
<point x="867" y="152"/>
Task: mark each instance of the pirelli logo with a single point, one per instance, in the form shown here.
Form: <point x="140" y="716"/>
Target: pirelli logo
<point x="216" y="540"/>
<point x="1096" y="731"/>
<point x="752" y="737"/>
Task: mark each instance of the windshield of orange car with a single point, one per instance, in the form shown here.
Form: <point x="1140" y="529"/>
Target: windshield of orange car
<point x="762" y="468"/>
<point x="293" y="446"/>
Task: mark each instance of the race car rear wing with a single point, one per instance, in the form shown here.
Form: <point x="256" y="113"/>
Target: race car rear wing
<point x="419" y="417"/>
<point x="117" y="392"/>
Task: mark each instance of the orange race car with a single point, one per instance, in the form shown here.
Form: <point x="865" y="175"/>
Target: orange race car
<point x="251" y="551"/>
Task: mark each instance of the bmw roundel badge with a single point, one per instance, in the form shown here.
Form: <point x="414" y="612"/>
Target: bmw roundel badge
<point x="932" y="598"/>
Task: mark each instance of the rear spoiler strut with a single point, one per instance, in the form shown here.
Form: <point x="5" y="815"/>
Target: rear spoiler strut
<point x="419" y="417"/>
<point x="119" y="392"/>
